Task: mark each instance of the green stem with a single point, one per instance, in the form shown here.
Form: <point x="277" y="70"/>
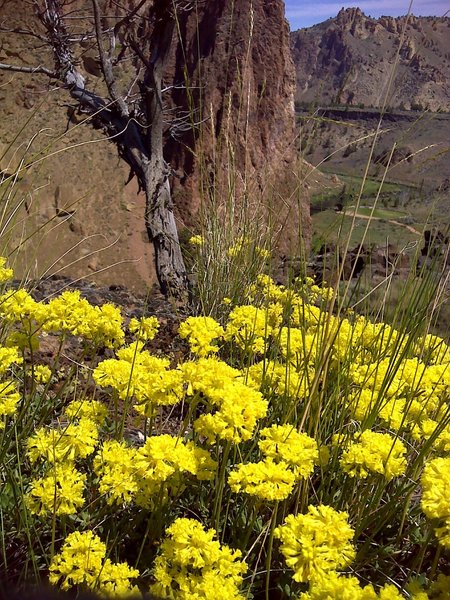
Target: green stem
<point x="270" y="548"/>
<point x="220" y="486"/>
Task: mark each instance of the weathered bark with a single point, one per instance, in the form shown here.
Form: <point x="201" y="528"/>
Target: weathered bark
<point x="159" y="216"/>
<point x="139" y="143"/>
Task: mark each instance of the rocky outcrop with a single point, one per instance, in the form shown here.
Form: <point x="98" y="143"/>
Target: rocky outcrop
<point x="350" y="59"/>
<point x="242" y="78"/>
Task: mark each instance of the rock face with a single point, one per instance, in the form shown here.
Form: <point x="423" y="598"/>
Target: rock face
<point x="243" y="84"/>
<point x="234" y="57"/>
<point x="350" y="59"/>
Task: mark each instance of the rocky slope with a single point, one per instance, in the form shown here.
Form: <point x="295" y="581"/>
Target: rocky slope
<point x="75" y="215"/>
<point x="350" y="59"/>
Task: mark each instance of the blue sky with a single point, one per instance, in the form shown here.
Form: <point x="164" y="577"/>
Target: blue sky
<point x="303" y="13"/>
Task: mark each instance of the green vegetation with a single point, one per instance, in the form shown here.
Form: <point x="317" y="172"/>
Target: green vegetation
<point x="305" y="441"/>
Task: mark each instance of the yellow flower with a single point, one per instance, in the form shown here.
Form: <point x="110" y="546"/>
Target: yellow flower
<point x="102" y="325"/>
<point x="42" y="373"/>
<point x="116" y="468"/>
<point x="91" y="409"/>
<point x="250" y="327"/>
<point x="316" y="543"/>
<point x="8" y="357"/>
<point x="240" y="408"/>
<point x="18" y="305"/>
<point x="71" y="442"/>
<point x="266" y="479"/>
<point x="114" y="581"/>
<point x="136" y="373"/>
<point x="9" y="398"/>
<point x="82" y="562"/>
<point x="200" y="332"/>
<point x="284" y="443"/>
<point x="145" y="328"/>
<point x="59" y="492"/>
<point x="197" y="240"/>
<point x="193" y="562"/>
<point x="5" y="273"/>
<point x="374" y="452"/>
<point x="435" y="501"/>
<point x="334" y="586"/>
<point x="79" y="561"/>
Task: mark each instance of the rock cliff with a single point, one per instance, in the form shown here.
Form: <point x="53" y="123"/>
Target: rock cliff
<point x="235" y="60"/>
<point x="351" y="59"/>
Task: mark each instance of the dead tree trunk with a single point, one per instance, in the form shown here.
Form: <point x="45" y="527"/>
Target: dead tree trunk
<point x="136" y="128"/>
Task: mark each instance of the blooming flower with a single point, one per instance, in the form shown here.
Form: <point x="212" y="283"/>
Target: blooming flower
<point x="5" y="273"/>
<point x="82" y="561"/>
<point x="145" y="329"/>
<point x="316" y="543"/>
<point x="435" y="501"/>
<point x="59" y="492"/>
<point x="266" y="479"/>
<point x="193" y="562"/>
<point x="284" y="443"/>
<point x="76" y="440"/>
<point x="9" y="398"/>
<point x="200" y="332"/>
<point x="374" y="452"/>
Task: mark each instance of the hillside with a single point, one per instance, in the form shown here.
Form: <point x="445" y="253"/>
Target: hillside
<point x="350" y="59"/>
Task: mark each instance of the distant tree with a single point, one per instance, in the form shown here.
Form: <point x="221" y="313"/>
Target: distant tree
<point x="130" y="115"/>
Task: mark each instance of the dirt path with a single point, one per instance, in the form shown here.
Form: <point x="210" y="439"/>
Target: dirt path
<point x="369" y="218"/>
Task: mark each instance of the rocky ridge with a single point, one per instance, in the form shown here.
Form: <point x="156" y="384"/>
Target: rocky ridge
<point x="349" y="59"/>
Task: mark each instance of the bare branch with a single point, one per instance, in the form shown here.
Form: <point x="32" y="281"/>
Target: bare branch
<point x="20" y="31"/>
<point x="34" y="70"/>
<point x="106" y="64"/>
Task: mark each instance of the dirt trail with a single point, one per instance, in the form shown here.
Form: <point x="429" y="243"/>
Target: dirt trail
<point x="367" y="217"/>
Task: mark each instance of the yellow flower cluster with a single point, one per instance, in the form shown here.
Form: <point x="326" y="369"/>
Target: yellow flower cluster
<point x="42" y="373"/>
<point x="59" y="492"/>
<point x="284" y="443"/>
<point x="139" y="375"/>
<point x="276" y="379"/>
<point x="101" y="325"/>
<point x="82" y="562"/>
<point x="267" y="479"/>
<point x="9" y="395"/>
<point x="289" y="457"/>
<point x="93" y="410"/>
<point x="67" y="313"/>
<point x="200" y="332"/>
<point x="197" y="240"/>
<point x="66" y="442"/>
<point x="250" y="327"/>
<point x="245" y="244"/>
<point x="334" y="586"/>
<point x="144" y="329"/>
<point x="197" y="566"/>
<point x="374" y="452"/>
<point x="435" y="502"/>
<point x="127" y="474"/>
<point x="238" y="410"/>
<point x="5" y="272"/>
<point x="316" y="543"/>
